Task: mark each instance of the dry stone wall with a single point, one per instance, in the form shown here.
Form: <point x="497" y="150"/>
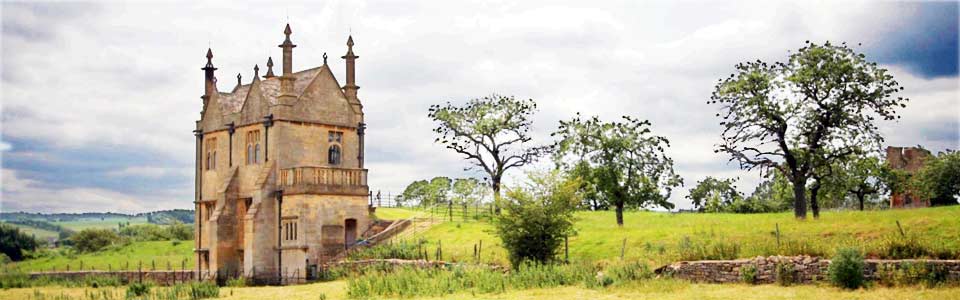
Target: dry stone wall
<point x="806" y="269"/>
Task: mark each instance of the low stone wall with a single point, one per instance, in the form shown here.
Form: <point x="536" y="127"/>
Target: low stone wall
<point x="157" y="277"/>
<point x="807" y="269"/>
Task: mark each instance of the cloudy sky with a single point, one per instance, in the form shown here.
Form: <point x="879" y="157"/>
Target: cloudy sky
<point x="99" y="99"/>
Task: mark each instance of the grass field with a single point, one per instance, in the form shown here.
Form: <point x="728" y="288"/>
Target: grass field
<point x="650" y="289"/>
<point x="393" y="213"/>
<point x="40" y="234"/>
<point x="654" y="236"/>
<point x="82" y="224"/>
<point x="159" y="252"/>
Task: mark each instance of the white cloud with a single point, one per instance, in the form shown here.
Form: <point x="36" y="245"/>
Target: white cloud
<point x="126" y="75"/>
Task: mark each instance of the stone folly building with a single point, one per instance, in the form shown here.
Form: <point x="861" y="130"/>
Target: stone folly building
<point x="280" y="183"/>
<point x="910" y="160"/>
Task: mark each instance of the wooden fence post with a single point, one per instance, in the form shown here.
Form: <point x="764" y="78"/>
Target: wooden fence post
<point x="778" y="235"/>
<point x="566" y="250"/>
<point x="901" y="229"/>
<point x="140" y="271"/>
<point x="623" y="248"/>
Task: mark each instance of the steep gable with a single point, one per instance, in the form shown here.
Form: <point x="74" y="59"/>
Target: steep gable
<point x="322" y="100"/>
<point x="255" y="107"/>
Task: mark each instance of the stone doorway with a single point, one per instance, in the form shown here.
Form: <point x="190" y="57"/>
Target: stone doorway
<point x="349" y="232"/>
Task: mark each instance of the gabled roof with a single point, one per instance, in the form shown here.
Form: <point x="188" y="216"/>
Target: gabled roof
<point x="232" y="102"/>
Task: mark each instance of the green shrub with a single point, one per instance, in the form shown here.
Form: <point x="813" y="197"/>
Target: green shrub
<point x="846" y="269"/>
<point x="237" y="282"/>
<point x="203" y="290"/>
<point x="903" y="248"/>
<point x="631" y="271"/>
<point x="137" y="289"/>
<point x="537" y="218"/>
<point x="785" y="273"/>
<point x="13" y="242"/>
<point x="910" y="273"/>
<point x="92" y="240"/>
<point x="748" y="274"/>
<point x="14" y="280"/>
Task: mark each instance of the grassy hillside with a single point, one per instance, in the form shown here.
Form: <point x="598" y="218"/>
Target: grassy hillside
<point x="160" y="252"/>
<point x="657" y="237"/>
<point x="113" y="223"/>
<point x="40" y="234"/>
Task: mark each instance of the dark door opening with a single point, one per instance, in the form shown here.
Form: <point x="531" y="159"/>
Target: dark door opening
<point x="349" y="232"/>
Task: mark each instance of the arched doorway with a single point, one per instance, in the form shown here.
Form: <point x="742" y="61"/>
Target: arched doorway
<point x="349" y="232"/>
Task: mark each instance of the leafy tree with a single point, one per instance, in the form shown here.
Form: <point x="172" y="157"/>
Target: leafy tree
<point x="92" y="240"/>
<point x="623" y="161"/>
<point x="808" y="112"/>
<point x="538" y="217"/>
<point x="467" y="190"/>
<point x="438" y="190"/>
<point x="713" y="194"/>
<point x="492" y="133"/>
<point x="13" y="242"/>
<point x="415" y="192"/>
<point x="939" y="179"/>
<point x="859" y="178"/>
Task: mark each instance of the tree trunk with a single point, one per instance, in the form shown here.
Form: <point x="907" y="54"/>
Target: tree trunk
<point x="860" y="198"/>
<point x="619" y="213"/>
<point x="496" y="195"/>
<point x="800" y="197"/>
<point x="814" y="205"/>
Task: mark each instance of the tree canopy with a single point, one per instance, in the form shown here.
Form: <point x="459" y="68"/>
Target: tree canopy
<point x="622" y="161"/>
<point x="798" y="116"/>
<point x="712" y="194"/>
<point x="492" y="132"/>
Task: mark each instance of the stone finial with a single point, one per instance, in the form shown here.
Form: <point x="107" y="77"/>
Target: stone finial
<point x="239" y="77"/>
<point x="324" y="58"/>
<point x="209" y="59"/>
<point x="269" y="68"/>
<point x="256" y="71"/>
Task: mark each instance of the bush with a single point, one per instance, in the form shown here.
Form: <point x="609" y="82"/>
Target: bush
<point x="785" y="273"/>
<point x="137" y="289"/>
<point x="846" y="269"/>
<point x="908" y="273"/>
<point x="92" y="240"/>
<point x="14" y="243"/>
<point x="204" y="289"/>
<point x="748" y="274"/>
<point x="537" y="218"/>
<point x="237" y="282"/>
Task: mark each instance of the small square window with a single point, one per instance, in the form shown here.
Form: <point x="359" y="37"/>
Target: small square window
<point x="335" y="136"/>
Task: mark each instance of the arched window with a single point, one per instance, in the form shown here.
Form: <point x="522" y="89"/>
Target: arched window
<point x="333" y="155"/>
<point x="253" y="147"/>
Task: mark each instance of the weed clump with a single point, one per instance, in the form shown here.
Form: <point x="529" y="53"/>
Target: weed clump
<point x="846" y="269"/>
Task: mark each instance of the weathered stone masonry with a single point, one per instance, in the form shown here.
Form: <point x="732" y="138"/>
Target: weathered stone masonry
<point x="280" y="186"/>
<point x="808" y="269"/>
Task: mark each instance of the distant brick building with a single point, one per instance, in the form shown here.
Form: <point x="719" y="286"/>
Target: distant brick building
<point x="280" y="179"/>
<point x="909" y="159"/>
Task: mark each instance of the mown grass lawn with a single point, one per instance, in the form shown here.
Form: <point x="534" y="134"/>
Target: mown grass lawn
<point x="649" y="289"/>
<point x="655" y="236"/>
<point x="149" y="253"/>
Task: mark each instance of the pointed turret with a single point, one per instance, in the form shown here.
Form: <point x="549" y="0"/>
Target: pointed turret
<point x="350" y="88"/>
<point x="209" y="79"/>
<point x="286" y="79"/>
<point x="287" y="52"/>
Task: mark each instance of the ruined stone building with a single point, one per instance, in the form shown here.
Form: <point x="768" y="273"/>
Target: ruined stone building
<point x="280" y="182"/>
<point x="910" y="160"/>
